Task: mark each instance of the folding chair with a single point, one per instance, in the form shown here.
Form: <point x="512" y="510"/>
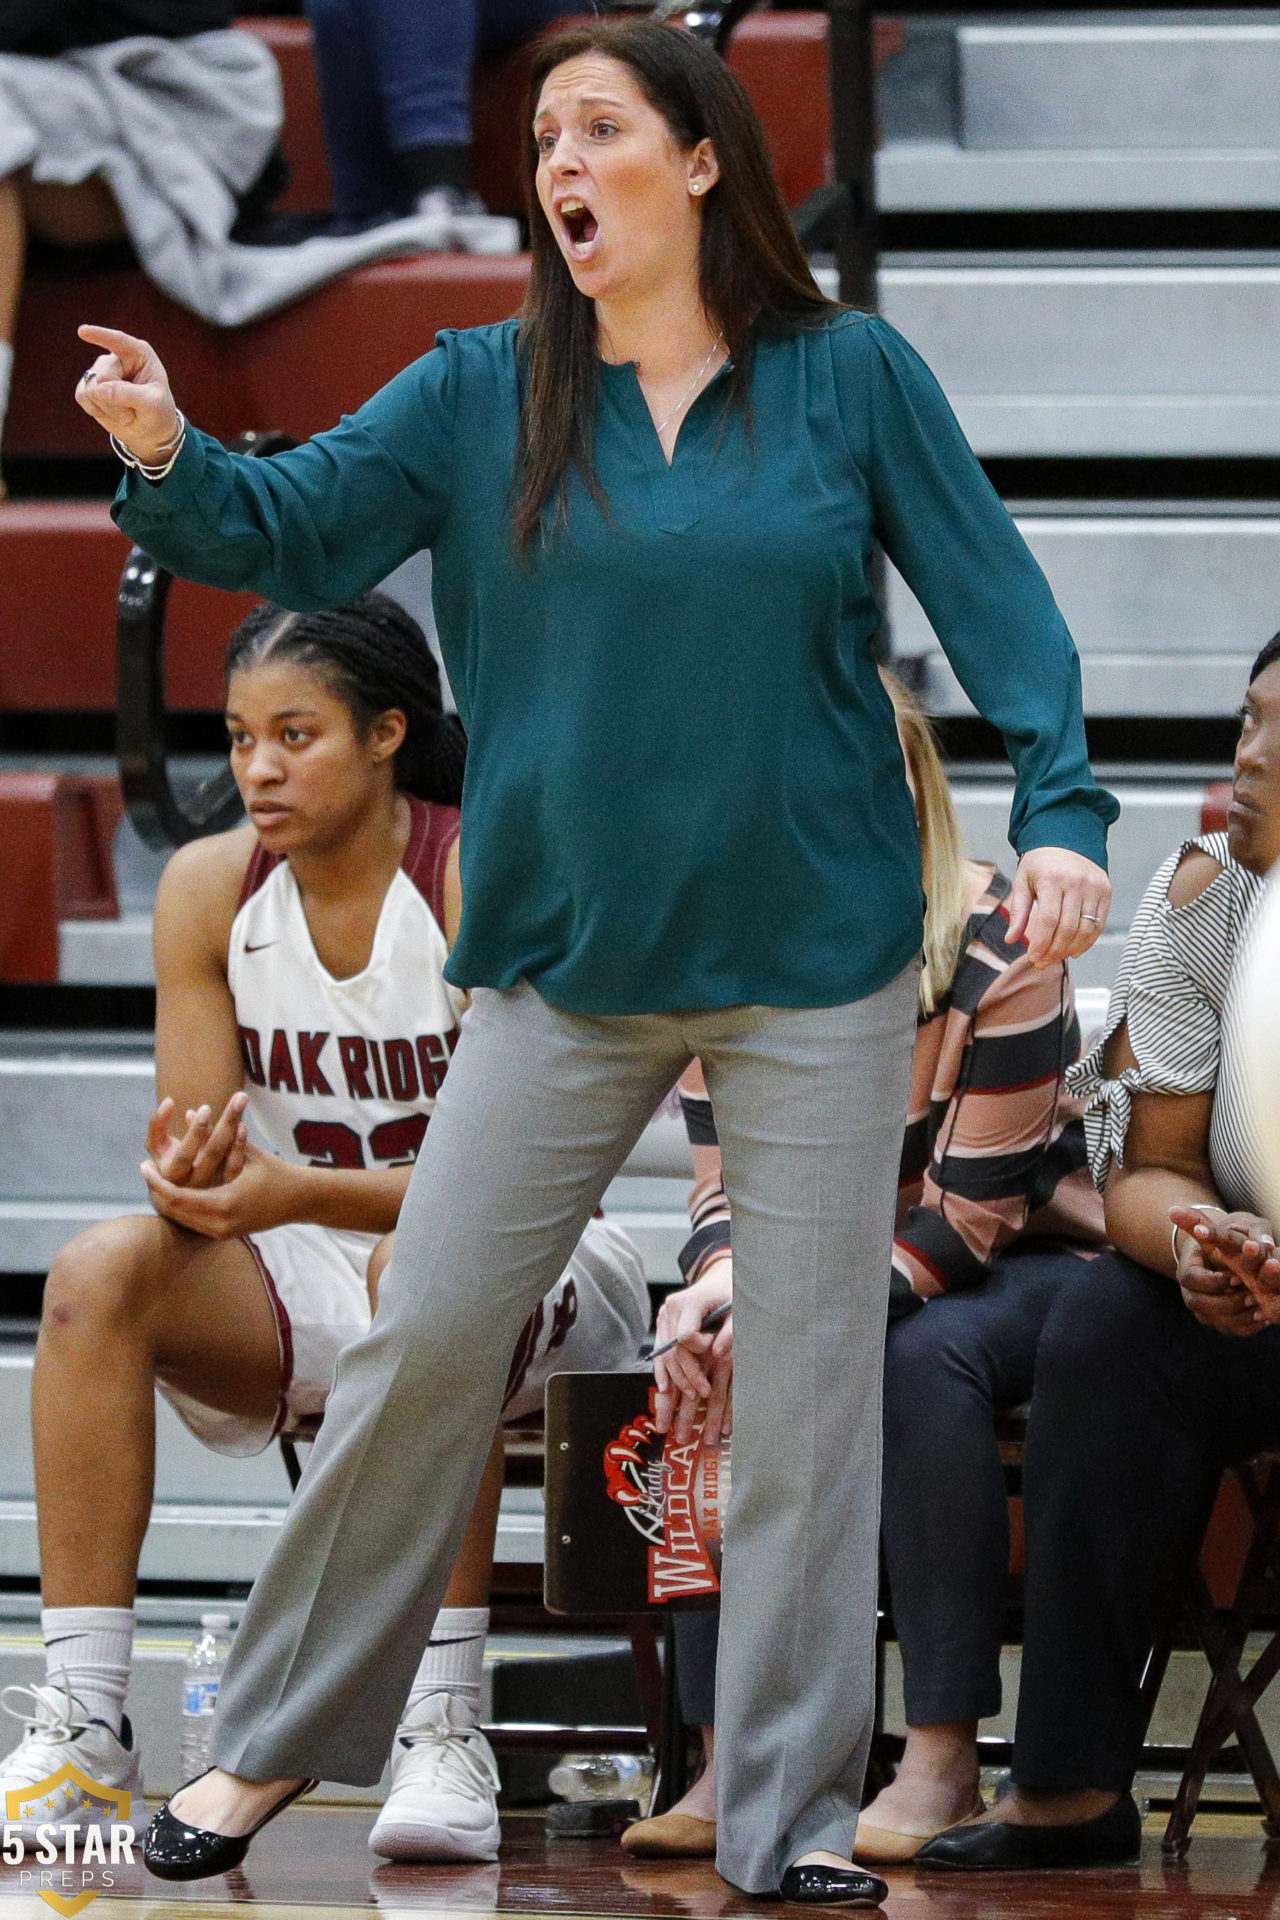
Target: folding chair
<point x="1230" y="1705"/>
<point x="607" y="1553"/>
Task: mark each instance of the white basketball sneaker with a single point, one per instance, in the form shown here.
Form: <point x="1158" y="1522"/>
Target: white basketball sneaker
<point x="57" y="1733"/>
<point x="443" y="1803"/>
<point x="465" y="224"/>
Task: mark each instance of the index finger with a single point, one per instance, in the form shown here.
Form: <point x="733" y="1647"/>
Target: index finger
<point x="1043" y="924"/>
<point x="158" y="1128"/>
<point x="207" y="1166"/>
<point x="182" y="1158"/>
<point x="113" y="341"/>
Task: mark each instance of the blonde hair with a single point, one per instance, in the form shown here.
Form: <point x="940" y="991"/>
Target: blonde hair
<point x="942" y="852"/>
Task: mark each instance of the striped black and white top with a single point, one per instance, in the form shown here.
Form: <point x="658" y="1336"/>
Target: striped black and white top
<point x="1171" y="992"/>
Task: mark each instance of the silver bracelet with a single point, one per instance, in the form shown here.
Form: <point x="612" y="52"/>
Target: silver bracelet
<point x="1202" y="1206"/>
<point x="155" y="470"/>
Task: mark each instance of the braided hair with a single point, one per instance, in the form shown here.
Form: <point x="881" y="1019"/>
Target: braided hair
<point x="1269" y="654"/>
<point x="373" y="656"/>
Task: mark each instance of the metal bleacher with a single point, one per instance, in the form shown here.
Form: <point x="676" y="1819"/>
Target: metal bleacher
<point x="1079" y="230"/>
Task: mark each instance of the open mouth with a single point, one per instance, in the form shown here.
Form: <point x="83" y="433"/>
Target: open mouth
<point x="580" y="226"/>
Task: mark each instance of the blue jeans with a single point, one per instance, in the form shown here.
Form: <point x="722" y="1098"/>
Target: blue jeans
<point x="396" y="74"/>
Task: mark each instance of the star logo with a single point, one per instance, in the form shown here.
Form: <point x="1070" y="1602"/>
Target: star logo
<point x="91" y="1795"/>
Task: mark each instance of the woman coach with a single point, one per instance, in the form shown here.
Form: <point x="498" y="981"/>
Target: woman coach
<point x="651" y="503"/>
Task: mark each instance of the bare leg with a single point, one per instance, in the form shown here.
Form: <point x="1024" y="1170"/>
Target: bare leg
<point x="473" y="1569"/>
<point x="80" y="216"/>
<point x="700" y="1801"/>
<point x="69" y="216"/>
<point x="124" y="1302"/>
<point x="13" y="240"/>
<point x="936" y="1784"/>
<point x="12" y="249"/>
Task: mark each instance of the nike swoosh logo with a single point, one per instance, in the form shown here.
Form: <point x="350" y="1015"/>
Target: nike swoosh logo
<point x="459" y="1640"/>
<point x="261" y="944"/>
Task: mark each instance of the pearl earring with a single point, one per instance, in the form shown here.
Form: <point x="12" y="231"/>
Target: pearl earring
<point x="695" y="186"/>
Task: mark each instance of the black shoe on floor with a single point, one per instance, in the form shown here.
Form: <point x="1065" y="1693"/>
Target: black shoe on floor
<point x="1112" y="1839"/>
<point x="174" y="1851"/>
<point x="817" y="1885"/>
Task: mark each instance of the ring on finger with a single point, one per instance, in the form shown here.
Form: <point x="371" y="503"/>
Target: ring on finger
<point x="1095" y="917"/>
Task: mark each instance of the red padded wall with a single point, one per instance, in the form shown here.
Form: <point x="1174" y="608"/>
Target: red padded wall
<point x="60" y="566"/>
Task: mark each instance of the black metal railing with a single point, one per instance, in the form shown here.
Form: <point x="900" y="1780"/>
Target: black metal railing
<point x="161" y="819"/>
<point x="846" y="206"/>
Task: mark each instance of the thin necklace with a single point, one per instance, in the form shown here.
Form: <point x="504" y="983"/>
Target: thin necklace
<point x="691" y="389"/>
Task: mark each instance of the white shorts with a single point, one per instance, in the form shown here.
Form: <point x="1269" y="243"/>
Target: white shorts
<point x="593" y="1320"/>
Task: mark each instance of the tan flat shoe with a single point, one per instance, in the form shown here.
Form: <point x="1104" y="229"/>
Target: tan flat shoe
<point x="887" y="1847"/>
<point x="673" y="1836"/>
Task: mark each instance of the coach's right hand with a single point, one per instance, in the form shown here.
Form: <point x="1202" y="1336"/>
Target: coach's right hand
<point x="126" y="391"/>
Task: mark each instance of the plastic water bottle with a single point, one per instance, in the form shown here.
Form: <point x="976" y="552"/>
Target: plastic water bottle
<point x="201" y="1678"/>
<point x="602" y="1776"/>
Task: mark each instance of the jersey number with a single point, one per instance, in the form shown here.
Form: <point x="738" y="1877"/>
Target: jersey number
<point x="327" y="1143"/>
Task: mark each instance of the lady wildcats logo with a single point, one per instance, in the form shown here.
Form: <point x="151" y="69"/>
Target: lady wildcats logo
<point x="69" y="1851"/>
<point x="676" y="1497"/>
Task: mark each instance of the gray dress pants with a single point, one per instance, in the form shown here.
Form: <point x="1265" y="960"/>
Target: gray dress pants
<point x="539" y="1110"/>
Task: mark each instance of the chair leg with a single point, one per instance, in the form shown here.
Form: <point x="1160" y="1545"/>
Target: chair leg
<point x="1177" y="1833"/>
<point x="292" y="1465"/>
<point x="648" y="1670"/>
<point x="1229" y="1708"/>
<point x="1212" y="1728"/>
<point x="672" y="1776"/>
<point x="1153" y="1677"/>
<point x="880" y="1767"/>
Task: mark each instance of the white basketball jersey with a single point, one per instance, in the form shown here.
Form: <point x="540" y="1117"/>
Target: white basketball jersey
<point x="344" y="1073"/>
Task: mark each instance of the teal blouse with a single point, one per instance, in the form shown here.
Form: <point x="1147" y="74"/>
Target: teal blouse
<point x="684" y="786"/>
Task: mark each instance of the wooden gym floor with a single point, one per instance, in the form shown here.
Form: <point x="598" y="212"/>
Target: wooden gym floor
<point x="313" y="1863"/>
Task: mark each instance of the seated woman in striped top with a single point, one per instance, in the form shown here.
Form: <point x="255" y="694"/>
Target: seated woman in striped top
<point x="996" y="1208"/>
<point x="1158" y="1366"/>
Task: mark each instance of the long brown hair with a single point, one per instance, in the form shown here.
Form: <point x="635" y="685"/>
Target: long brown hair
<point x="942" y="854"/>
<point x="753" y="269"/>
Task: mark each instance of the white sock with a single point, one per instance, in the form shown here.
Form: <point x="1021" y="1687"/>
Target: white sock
<point x="454" y="1660"/>
<point x="93" y="1647"/>
<point x="6" y="370"/>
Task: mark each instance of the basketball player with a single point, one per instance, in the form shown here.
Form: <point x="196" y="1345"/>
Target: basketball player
<point x="299" y="969"/>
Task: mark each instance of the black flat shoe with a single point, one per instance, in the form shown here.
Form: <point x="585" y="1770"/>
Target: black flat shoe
<point x="174" y="1851"/>
<point x="821" y="1886"/>
<point x="1112" y="1839"/>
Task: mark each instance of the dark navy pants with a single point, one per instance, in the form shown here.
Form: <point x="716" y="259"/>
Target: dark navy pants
<point x="944" y="1516"/>
<point x="945" y="1519"/>
<point x="396" y="74"/>
<point x="1137" y="1408"/>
